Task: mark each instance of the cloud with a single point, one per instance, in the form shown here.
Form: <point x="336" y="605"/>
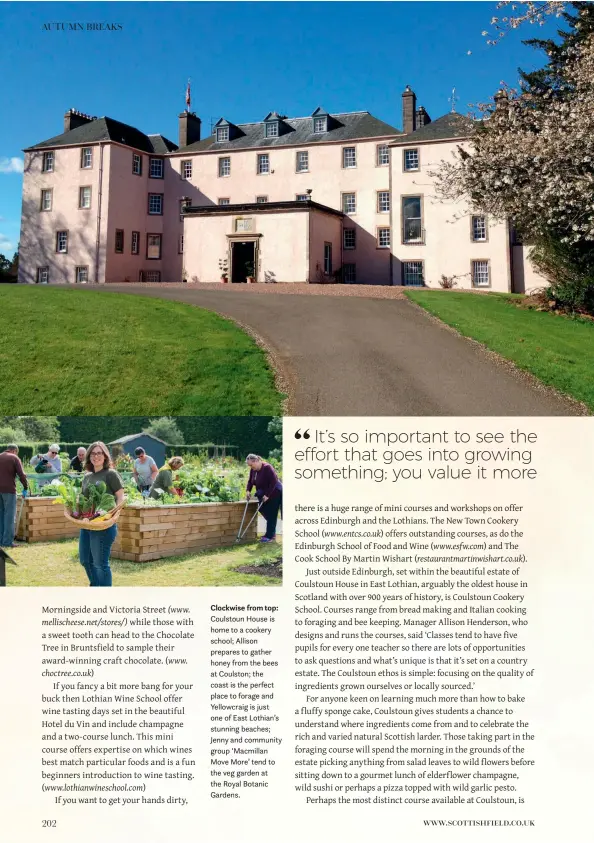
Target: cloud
<point x="11" y="165"/>
<point x="6" y="244"/>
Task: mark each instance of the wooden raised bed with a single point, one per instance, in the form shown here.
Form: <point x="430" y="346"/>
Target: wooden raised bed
<point x="146" y="533"/>
<point x="43" y="520"/>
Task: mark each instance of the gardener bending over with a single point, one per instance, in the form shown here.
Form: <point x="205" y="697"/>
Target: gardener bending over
<point x="164" y="479"/>
<point x="10" y="468"/>
<point x="269" y="491"/>
<point x="145" y="470"/>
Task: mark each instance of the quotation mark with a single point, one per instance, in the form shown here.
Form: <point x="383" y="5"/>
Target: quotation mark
<point x="304" y="435"/>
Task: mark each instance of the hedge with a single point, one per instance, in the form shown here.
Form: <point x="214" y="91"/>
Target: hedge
<point x="31" y="449"/>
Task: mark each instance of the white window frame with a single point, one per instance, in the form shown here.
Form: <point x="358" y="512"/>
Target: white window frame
<point x="152" y="198"/>
<point x="272" y="129"/>
<point x="302" y="155"/>
<point x="344" y="203"/>
<point x="263" y="161"/>
<point x="186" y="169"/>
<point x="81" y="194"/>
<point x="86" y="158"/>
<point x="413" y="153"/>
<point x="224" y="200"/>
<point x="320" y="125"/>
<point x="261" y="200"/>
<point x="135" y="243"/>
<point x="473" y="229"/>
<point x="48" y="162"/>
<point x="46" y="192"/>
<point x="43" y="274"/>
<point x="78" y="273"/>
<point x="63" y="239"/>
<point x="381" y="235"/>
<point x="407" y="268"/>
<point x="352" y="268"/>
<point x="485" y="280"/>
<point x="349" y="157"/>
<point x="149" y="246"/>
<point x="349" y="239"/>
<point x="420" y="238"/>
<point x="222" y="134"/>
<point x="301" y="197"/>
<point x="224" y="164"/>
<point x="136" y="164"/>
<point x="383" y="202"/>
<point x="153" y="161"/>
<point x="380" y="150"/>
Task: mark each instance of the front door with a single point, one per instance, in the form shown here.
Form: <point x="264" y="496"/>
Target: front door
<point x="242" y="261"/>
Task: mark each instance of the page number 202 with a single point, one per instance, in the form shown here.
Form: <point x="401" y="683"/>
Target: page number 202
<point x="49" y="823"/>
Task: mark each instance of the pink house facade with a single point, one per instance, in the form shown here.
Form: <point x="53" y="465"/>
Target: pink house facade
<point x="328" y="197"/>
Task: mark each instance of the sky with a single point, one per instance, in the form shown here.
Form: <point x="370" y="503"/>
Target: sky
<point x="244" y="59"/>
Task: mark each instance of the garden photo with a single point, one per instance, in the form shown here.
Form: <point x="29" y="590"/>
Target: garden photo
<point x="133" y="501"/>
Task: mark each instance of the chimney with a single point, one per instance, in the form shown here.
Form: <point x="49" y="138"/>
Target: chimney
<point x="409" y="107"/>
<point x="422" y="118"/>
<point x="189" y="128"/>
<point x="73" y="119"/>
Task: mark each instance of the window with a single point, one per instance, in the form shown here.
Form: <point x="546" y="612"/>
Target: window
<point x="180" y="244"/>
<point x="479" y="229"/>
<point x="320" y="124"/>
<point x="480" y="274"/>
<point x="184" y="204"/>
<point x="349" y="157"/>
<point x="302" y="162"/>
<point x="383" y="201"/>
<point x="46" y="200"/>
<point x="224" y="201"/>
<point x="328" y="258"/>
<point x="349" y="238"/>
<point x="84" y="197"/>
<point x="224" y="166"/>
<point x="223" y="134"/>
<point x="82" y="274"/>
<point x="62" y="242"/>
<point x="155" y="203"/>
<point x="349" y="203"/>
<point x="349" y="273"/>
<point x="261" y="200"/>
<point x="47" y="165"/>
<point x="119" y="241"/>
<point x="302" y="197"/>
<point x="411" y="160"/>
<point x="263" y="164"/>
<point x="383" y="238"/>
<point x="151" y="276"/>
<point x="186" y="169"/>
<point x="412" y="224"/>
<point x="86" y="158"/>
<point x="135" y="243"/>
<point x="136" y="164"/>
<point x="43" y="274"/>
<point x="153" y="246"/>
<point x="382" y="155"/>
<point x="156" y="168"/>
<point x="412" y="273"/>
<point x="272" y="130"/>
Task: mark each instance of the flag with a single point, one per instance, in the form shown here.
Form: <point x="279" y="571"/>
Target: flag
<point x="188" y="98"/>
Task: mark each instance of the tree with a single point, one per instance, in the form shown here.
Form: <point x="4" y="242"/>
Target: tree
<point x="275" y="426"/>
<point x="166" y="429"/>
<point x="34" y="428"/>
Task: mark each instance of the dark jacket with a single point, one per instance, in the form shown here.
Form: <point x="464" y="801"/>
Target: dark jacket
<point x="10" y="467"/>
<point x="266" y="482"/>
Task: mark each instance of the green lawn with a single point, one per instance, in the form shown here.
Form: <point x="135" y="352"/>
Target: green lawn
<point x="557" y="349"/>
<point x="57" y="564"/>
<point x="75" y="352"/>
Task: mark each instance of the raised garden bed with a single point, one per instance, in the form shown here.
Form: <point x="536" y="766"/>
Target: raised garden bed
<point x="43" y="520"/>
<point x="147" y="533"/>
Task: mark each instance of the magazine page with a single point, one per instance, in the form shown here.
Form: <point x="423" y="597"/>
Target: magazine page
<point x="296" y="444"/>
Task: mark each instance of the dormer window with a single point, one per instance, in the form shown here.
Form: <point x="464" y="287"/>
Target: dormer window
<point x="272" y="129"/>
<point x="222" y="134"/>
<point x="320" y="124"/>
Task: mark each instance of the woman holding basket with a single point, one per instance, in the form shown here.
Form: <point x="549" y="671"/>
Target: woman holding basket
<point x="95" y="545"/>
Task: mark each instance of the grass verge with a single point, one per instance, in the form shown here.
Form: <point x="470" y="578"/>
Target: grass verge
<point x="558" y="350"/>
<point x="57" y="564"/>
<point x="73" y="352"/>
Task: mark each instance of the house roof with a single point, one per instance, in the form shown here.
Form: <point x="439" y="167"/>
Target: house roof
<point x="107" y="129"/>
<point x="259" y="207"/>
<point x="123" y="439"/>
<point x="299" y="130"/>
<point x="451" y="125"/>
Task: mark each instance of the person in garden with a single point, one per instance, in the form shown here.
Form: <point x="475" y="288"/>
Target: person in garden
<point x="10" y="468"/>
<point x="163" y="483"/>
<point x="49" y="463"/>
<point x="145" y="470"/>
<point x="77" y="463"/>
<point x="269" y="491"/>
<point x="94" y="546"/>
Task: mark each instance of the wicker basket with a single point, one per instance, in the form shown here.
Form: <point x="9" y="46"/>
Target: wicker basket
<point x="105" y="524"/>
